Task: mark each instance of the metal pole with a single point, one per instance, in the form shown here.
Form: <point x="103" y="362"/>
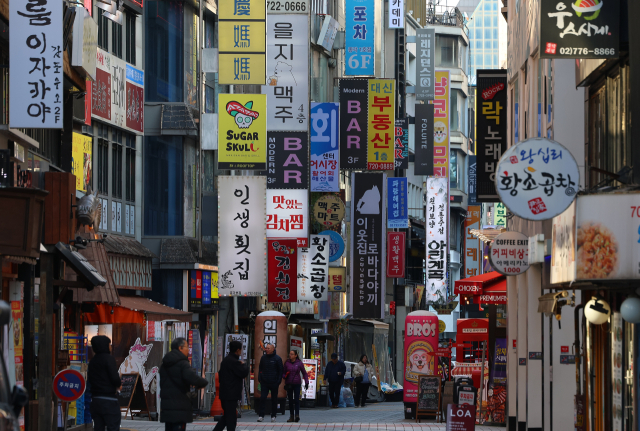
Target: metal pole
<point x="482" y="379"/>
<point x="235" y="315"/>
<point x="200" y="89"/>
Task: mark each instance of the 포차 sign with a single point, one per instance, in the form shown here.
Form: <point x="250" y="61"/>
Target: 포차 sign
<point x="537" y="179"/>
<point x="510" y="253"/>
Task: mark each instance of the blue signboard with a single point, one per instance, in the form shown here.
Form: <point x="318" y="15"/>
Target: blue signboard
<point x="397" y="206"/>
<point x="325" y="141"/>
<point x="336" y="245"/>
<point x="359" y="37"/>
<point x="472" y="180"/>
<point x="134" y="75"/>
<point x="206" y="287"/>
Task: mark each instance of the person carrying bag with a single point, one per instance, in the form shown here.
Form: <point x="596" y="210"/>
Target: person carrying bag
<point x="363" y="376"/>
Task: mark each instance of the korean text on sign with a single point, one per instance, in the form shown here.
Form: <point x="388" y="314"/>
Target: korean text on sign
<point x="359" y="37"/>
<point x="282" y="270"/>
<point x="381" y="139"/>
<point x="441" y="125"/>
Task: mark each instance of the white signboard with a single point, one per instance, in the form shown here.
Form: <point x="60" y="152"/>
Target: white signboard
<point x="437" y="239"/>
<point x="295" y="344"/>
<point x="563" y="251"/>
<point x="85" y="42"/>
<point x="510" y="253"/>
<point x="287" y="86"/>
<point x="328" y="32"/>
<point x="36" y="58"/>
<point x="396" y="13"/>
<point x="242" y="250"/>
<point x="287" y="6"/>
<point x="243" y="338"/>
<point x="311" y="367"/>
<point x="288" y="215"/>
<point x="313" y="270"/>
<point x="537" y="179"/>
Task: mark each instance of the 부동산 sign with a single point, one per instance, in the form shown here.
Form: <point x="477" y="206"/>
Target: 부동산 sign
<point x="381" y="140"/>
<point x="509" y="253"/>
<point x="359" y="37"/>
<point x="242" y="131"/>
<point x="325" y="153"/>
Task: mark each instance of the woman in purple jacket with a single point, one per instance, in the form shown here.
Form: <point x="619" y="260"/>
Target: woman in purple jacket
<point x="293" y="383"/>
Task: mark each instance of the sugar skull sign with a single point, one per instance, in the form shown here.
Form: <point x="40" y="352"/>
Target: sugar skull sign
<point x="242" y="131"/>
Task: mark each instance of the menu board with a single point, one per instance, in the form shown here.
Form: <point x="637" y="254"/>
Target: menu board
<point x="311" y="366"/>
<point x="428" y="394"/>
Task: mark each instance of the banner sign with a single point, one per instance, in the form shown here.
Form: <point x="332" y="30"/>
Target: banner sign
<point x="282" y="284"/>
<point x="288" y="215"/>
<point x="287" y="86"/>
<point x="381" y="141"/>
<point x="424" y="135"/>
<point x="367" y="245"/>
<point x="437" y="238"/>
<point x="398" y="203"/>
<point x="441" y="125"/>
<point x="242" y="131"/>
<point x="353" y="123"/>
<point x="402" y="143"/>
<point x="36" y="58"/>
<point x="500" y="217"/>
<point x="472" y="180"/>
<point x="241" y="232"/>
<point x="288" y="160"/>
<point x="359" y="37"/>
<point x="337" y="279"/>
<point x="425" y="70"/>
<point x="81" y="167"/>
<point x="325" y="168"/>
<point x="472" y="250"/>
<point x="243" y="338"/>
<point x="313" y="270"/>
<point x="396" y="252"/>
<point x="491" y="130"/>
<point x="396" y="14"/>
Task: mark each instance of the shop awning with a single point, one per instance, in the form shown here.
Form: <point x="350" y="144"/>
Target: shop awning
<point x="494" y="294"/>
<point x="487" y="235"/>
<point x="154" y="310"/>
<point x="176" y="119"/>
<point x="475" y="285"/>
<point x="376" y="324"/>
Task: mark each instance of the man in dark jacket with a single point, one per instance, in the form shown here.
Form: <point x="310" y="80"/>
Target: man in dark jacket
<point x="334" y="373"/>
<point x="270" y="377"/>
<point x="104" y="382"/>
<point x="232" y="373"/>
<point x="176" y="378"/>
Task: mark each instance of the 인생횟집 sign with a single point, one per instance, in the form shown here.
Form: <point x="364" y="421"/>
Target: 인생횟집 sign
<point x="509" y="253"/>
<point x="242" y="131"/>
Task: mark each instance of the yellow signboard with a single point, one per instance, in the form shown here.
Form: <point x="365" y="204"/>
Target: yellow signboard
<point x="242" y="10"/>
<point x="382" y="108"/>
<point x="246" y="36"/>
<point x="214" y="285"/>
<point x="81" y="164"/>
<point x="337" y="279"/>
<point x="242" y="131"/>
<point x="242" y="69"/>
<point x="441" y="125"/>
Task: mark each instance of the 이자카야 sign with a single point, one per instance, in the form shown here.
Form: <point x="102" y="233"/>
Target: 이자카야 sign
<point x="537" y="179"/>
<point x="509" y="253"/>
<point x="242" y="131"/>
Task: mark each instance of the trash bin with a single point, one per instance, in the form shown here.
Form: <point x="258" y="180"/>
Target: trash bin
<point x="321" y="401"/>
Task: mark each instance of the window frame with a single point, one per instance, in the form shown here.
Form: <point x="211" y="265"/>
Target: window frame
<point x="130" y="38"/>
<point x="116" y="39"/>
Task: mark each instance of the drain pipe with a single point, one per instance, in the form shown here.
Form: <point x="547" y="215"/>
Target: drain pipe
<point x="576" y="323"/>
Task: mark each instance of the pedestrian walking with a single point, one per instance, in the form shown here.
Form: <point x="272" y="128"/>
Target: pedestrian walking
<point x="334" y="374"/>
<point x="176" y="379"/>
<point x="231" y="376"/>
<point x="270" y="377"/>
<point x="363" y="375"/>
<point x="293" y="368"/>
<point x="104" y="382"/>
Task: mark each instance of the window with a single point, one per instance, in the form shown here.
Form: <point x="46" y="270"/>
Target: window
<point x="103" y="160"/>
<point x="116" y="164"/>
<point x="103" y="30"/>
<point x="487" y="21"/>
<point x="446" y="51"/>
<point x="495" y="44"/>
<point x="131" y="38"/>
<point x="487" y="33"/>
<point x="116" y="39"/>
<point x="478" y="33"/>
<point x="130" y="175"/>
<point x="453" y="169"/>
<point x="487" y="44"/>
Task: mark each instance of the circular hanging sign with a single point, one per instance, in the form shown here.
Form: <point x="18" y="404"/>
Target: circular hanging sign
<point x="329" y="210"/>
<point x="68" y="385"/>
<point x="509" y="253"/>
<point x="442" y="326"/>
<point x="537" y="179"/>
<point x="336" y="244"/>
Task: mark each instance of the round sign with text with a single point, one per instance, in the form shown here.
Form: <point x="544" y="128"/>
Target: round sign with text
<point x="68" y="385"/>
<point x="336" y="245"/>
<point x="537" y="179"/>
<point x="509" y="253"/>
<point x="329" y="210"/>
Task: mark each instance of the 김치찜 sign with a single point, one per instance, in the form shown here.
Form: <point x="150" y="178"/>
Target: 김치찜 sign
<point x="287" y="215"/>
<point x="537" y="179"/>
<point x="510" y="253"/>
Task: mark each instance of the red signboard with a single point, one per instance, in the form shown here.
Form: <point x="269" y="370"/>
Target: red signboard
<point x="490" y="298"/>
<point x="199" y="284"/>
<point x="101" y="95"/>
<point x="396" y="250"/>
<point x="282" y="272"/>
<point x="564" y="349"/>
<point x="463" y="288"/>
<point x="461" y="417"/>
<point x="135" y="107"/>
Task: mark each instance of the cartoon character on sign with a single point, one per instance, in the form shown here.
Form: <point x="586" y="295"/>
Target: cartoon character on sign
<point x="283" y="71"/>
<point x="243" y="115"/>
<point x="134" y="363"/>
<point x="420" y="343"/>
<point x="439" y="132"/>
<point x="418" y="361"/>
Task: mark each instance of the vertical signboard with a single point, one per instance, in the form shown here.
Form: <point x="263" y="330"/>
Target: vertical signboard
<point x="491" y="130"/>
<point x="36" y="57"/>
<point x="324" y="166"/>
<point x="368" y="244"/>
<point x="313" y="269"/>
<point x="424" y="135"/>
<point x="472" y="180"/>
<point x="441" y="125"/>
<point x="381" y="141"/>
<point x="472" y="250"/>
<point x="617" y="363"/>
<point x="287" y="86"/>
<point x="81" y="150"/>
<point x="242" y="131"/>
<point x="396" y="13"/>
<point x="397" y="204"/>
<point x="287" y="215"/>
<point x="242" y="42"/>
<point x="396" y="249"/>
<point x="359" y="37"/>
<point x="282" y="285"/>
<point x="337" y="279"/>
<point x="500" y="218"/>
<point x="425" y="70"/>
<point x="437" y="238"/>
<point x="354" y="105"/>
<point x="241" y="229"/>
<point x="287" y="160"/>
<point x="402" y="143"/>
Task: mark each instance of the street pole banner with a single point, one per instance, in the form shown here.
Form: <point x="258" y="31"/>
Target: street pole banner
<point x="359" y="37"/>
<point x="425" y="70"/>
<point x="441" y="125"/>
<point x="402" y="143"/>
<point x="282" y="285"/>
<point x="473" y="252"/>
<point x="368" y="243"/>
<point x="381" y="142"/>
<point x="437" y="238"/>
<point x="242" y="131"/>
<point x="242" y="249"/>
<point x="354" y="96"/>
<point x="288" y="215"/>
<point x="287" y="86"/>
<point x="325" y="153"/>
<point x="288" y="160"/>
<point x="398" y="203"/>
<point x="423" y="164"/>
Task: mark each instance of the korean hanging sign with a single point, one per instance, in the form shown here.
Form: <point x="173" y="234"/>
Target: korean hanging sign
<point x="368" y="245"/>
<point x="381" y="141"/>
<point x="437" y="238"/>
<point x="537" y="179"/>
<point x="242" y="131"/>
<point x="338" y="279"/>
<point x="396" y="13"/>
<point x="353" y="123"/>
<point x="441" y="125"/>
<point x="500" y="218"/>
<point x="396" y="249"/>
<point x="402" y="143"/>
<point x="241" y="229"/>
<point x="397" y="205"/>
<point x="313" y="270"/>
<point x="472" y="246"/>
<point x="510" y="253"/>
<point x="282" y="285"/>
<point x="287" y="215"/>
<point x="359" y="37"/>
<point x="287" y="86"/>
<point x="472" y="180"/>
<point x="325" y="140"/>
<point x="287" y="160"/>
<point x="425" y="71"/>
<point x="36" y="58"/>
<point x="423" y="135"/>
<point x="329" y="210"/>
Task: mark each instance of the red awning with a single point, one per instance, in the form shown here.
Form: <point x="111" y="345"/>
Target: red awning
<point x="475" y="285"/>
<point x="494" y="294"/>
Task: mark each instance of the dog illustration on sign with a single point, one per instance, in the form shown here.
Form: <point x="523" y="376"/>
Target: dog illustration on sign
<point x="134" y="363"/>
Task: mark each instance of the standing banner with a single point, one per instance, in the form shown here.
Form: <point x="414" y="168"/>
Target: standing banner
<point x="441" y="125"/>
<point x="241" y="232"/>
<point x="402" y="143"/>
<point x="325" y="167"/>
<point x="437" y="238"/>
<point x="282" y="285"/>
<point x="368" y="244"/>
<point x="287" y="86"/>
<point x="354" y="106"/>
<point x="397" y="204"/>
<point x="396" y="14"/>
<point x="472" y="180"/>
<point x="472" y="246"/>
<point x="381" y="141"/>
<point x="288" y="160"/>
<point x="491" y="130"/>
<point x="420" y="342"/>
<point x="242" y="131"/>
<point x="425" y="70"/>
<point x="311" y="367"/>
<point x="313" y="269"/>
<point x="359" y="37"/>
<point x="424" y="134"/>
<point x="288" y="215"/>
<point x="396" y="252"/>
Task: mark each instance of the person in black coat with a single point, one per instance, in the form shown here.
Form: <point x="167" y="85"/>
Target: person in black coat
<point x="232" y="373"/>
<point x="334" y="373"/>
<point x="104" y="382"/>
<point x="270" y="377"/>
<point x="176" y="378"/>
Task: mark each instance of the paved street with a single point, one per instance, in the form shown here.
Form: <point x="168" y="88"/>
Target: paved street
<point x="384" y="416"/>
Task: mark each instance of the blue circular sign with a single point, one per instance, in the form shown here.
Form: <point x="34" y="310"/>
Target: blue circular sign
<point x="336" y="246"/>
<point x="69" y="385"/>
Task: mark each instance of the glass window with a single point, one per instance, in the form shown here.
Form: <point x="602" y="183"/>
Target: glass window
<point x="453" y="110"/>
<point x="495" y="60"/>
<point x="116" y="164"/>
<point x="495" y="44"/>
<point x="103" y="161"/>
<point x="487" y="33"/>
<point x="487" y="21"/>
<point x="487" y="44"/>
<point x="116" y="39"/>
<point x="487" y="60"/>
<point x="446" y="51"/>
<point x="478" y="44"/>
<point x="487" y="5"/>
<point x="103" y="30"/>
<point x="479" y="63"/>
<point x="131" y="39"/>
<point x="130" y="184"/>
<point x="478" y="33"/>
<point x="495" y="21"/>
<point x="495" y="33"/>
<point x="453" y="169"/>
